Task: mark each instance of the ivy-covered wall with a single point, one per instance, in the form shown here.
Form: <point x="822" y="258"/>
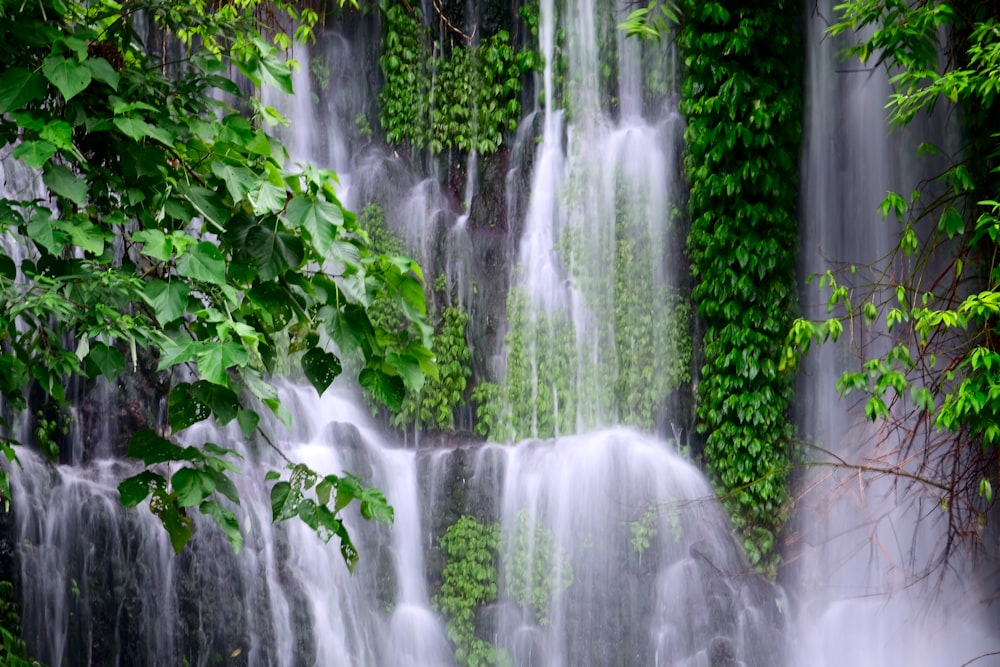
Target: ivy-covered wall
<point x="742" y="98"/>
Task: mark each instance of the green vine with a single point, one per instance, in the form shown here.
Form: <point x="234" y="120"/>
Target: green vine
<point x="469" y="581"/>
<point x="454" y="96"/>
<point x="533" y="567"/>
<point x="742" y="99"/>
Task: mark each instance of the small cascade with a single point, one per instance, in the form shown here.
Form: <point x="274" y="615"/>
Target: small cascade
<point x="614" y="551"/>
<point x="594" y="336"/>
<point x="102" y="585"/>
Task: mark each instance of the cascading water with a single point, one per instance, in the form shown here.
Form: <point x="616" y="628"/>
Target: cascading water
<point x="613" y="550"/>
<point x="871" y="589"/>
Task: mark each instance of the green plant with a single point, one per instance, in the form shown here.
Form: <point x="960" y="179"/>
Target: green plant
<point x="433" y="406"/>
<point x="742" y="99"/>
<point x="454" y="96"/>
<point x="469" y="581"/>
<point x="935" y="388"/>
<point x="13" y="652"/>
<point x="644" y="530"/>
<point x="177" y="235"/>
<point x="534" y="567"/>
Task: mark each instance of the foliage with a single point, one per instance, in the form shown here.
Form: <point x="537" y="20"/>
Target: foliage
<point x="433" y="406"/>
<point x="644" y="529"/>
<point x="13" y="652"/>
<point x="173" y="229"/>
<point x="452" y="96"/>
<point x="741" y="97"/>
<point x="651" y="22"/>
<point x="937" y="381"/>
<point x="534" y="567"/>
<point x="470" y="580"/>
<point x="537" y="396"/>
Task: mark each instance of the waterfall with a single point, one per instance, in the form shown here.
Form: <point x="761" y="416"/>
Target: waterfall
<point x="610" y="548"/>
<point x="866" y="546"/>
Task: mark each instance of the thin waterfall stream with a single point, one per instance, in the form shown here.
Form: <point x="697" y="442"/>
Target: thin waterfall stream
<point x="608" y="544"/>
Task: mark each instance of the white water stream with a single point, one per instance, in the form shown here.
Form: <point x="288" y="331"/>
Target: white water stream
<point x="637" y="563"/>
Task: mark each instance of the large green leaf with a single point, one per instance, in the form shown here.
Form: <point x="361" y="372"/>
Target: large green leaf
<point x="18" y="87"/>
<point x="248" y="420"/>
<point x="266" y="197"/>
<point x="168" y="299"/>
<point x="63" y="182"/>
<point x="85" y="234"/>
<point x="133" y="490"/>
<point x="284" y="501"/>
<point x="209" y="204"/>
<point x="320" y="218"/>
<point x="102" y="70"/>
<point x="239" y="180"/>
<point x="184" y="408"/>
<point x="104" y="360"/>
<point x="216" y="358"/>
<point x="178" y="525"/>
<point x="155" y="244"/>
<point x="203" y="262"/>
<point x="223" y="401"/>
<point x="321" y="368"/>
<point x="226" y="520"/>
<point x="68" y="75"/>
<point x="192" y="486"/>
<point x="45" y="232"/>
<point x="274" y="253"/>
<point x="34" y="153"/>
<point x="137" y="129"/>
<point x="152" y="448"/>
<point x="389" y="389"/>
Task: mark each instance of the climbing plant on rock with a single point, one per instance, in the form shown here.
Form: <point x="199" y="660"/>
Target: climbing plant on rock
<point x="451" y="93"/>
<point x="742" y="99"/>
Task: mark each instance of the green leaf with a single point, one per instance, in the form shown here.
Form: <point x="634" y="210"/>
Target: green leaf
<point x="203" y="262"/>
<point x="389" y="389"/>
<point x="104" y="360"/>
<point x="320" y="218"/>
<point x="34" y="153"/>
<point x="215" y="360"/>
<point x="63" y="182"/>
<point x="86" y="235"/>
<point x="176" y="352"/>
<point x="155" y="244"/>
<point x="284" y="501"/>
<point x="223" y="401"/>
<point x="45" y="233"/>
<point x="185" y="408"/>
<point x="239" y="180"/>
<point x="133" y="490"/>
<point x="18" y="87"/>
<point x="274" y="253"/>
<point x="69" y="76"/>
<point x="168" y="300"/>
<point x="226" y="520"/>
<point x="374" y="506"/>
<point x="102" y="70"/>
<point x="209" y="204"/>
<point x="266" y="197"/>
<point x="248" y="420"/>
<point x="192" y="485"/>
<point x="153" y="449"/>
<point x="137" y="129"/>
<point x="321" y="368"/>
<point x="178" y="526"/>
